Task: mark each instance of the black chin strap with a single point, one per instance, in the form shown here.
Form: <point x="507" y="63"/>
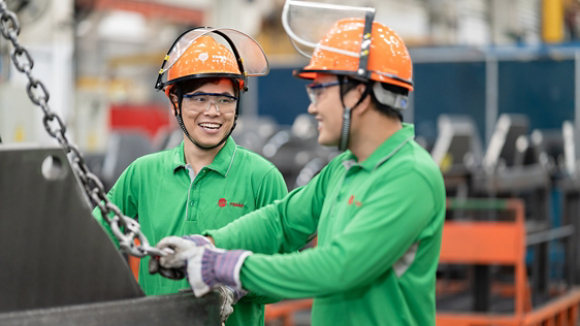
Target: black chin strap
<point x="182" y="125"/>
<point x="347" y="114"/>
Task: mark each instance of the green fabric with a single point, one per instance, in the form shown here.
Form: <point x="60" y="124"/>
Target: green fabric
<point x="157" y="190"/>
<point x="369" y="217"/>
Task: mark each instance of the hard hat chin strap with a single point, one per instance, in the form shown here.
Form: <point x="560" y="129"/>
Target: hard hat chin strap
<point x="345" y="130"/>
<point x="363" y="72"/>
<point x="347" y="113"/>
<point x="182" y="125"/>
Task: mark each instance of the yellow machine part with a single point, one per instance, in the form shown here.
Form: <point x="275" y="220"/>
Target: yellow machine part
<point x="553" y="21"/>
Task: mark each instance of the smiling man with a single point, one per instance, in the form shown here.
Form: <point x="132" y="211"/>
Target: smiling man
<point x="207" y="181"/>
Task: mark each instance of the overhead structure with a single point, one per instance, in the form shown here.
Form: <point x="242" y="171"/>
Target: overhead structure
<point x="149" y="9"/>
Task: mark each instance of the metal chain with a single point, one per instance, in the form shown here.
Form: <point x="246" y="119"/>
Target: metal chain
<point x="38" y="94"/>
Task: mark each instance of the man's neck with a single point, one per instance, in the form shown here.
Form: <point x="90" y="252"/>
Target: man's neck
<point x="372" y="131"/>
<point x="197" y="157"/>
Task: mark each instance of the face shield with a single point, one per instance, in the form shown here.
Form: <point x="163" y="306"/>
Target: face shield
<point x="307" y="22"/>
<point x="251" y="60"/>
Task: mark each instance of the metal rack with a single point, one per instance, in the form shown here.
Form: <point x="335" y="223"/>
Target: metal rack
<point x="498" y="243"/>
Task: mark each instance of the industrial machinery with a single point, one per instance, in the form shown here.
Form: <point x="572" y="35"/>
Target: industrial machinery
<point x="569" y="184"/>
<point x="458" y="152"/>
<point x="296" y="152"/>
<point x="497" y="259"/>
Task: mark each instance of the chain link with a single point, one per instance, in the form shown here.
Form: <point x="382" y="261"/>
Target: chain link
<point x="24" y="66"/>
<point x="32" y="90"/>
<point x="8" y="22"/>
<point x="55" y="127"/>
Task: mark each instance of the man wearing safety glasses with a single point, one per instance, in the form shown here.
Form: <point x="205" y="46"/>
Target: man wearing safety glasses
<point x="378" y="209"/>
<point x="207" y="181"/>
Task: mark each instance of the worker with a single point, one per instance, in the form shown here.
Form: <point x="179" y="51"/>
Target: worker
<point x="378" y="208"/>
<point x="207" y="181"/>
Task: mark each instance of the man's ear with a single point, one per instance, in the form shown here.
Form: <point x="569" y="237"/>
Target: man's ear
<point x="360" y="88"/>
<point x="173" y="98"/>
<point x="366" y="103"/>
<point x="174" y="102"/>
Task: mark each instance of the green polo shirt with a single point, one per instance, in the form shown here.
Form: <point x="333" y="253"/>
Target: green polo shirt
<point x="379" y="226"/>
<point x="165" y="196"/>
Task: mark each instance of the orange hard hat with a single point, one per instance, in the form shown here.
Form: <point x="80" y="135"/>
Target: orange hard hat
<point x="339" y="52"/>
<point x="205" y="57"/>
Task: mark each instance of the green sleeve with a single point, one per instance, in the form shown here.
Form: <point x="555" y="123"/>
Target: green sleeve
<point x="122" y="195"/>
<point x="285" y="226"/>
<point x="389" y="222"/>
<point x="271" y="188"/>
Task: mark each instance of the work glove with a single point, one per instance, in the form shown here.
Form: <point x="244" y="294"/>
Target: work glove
<point x="227" y="297"/>
<point x="178" y="246"/>
<point x="206" y="267"/>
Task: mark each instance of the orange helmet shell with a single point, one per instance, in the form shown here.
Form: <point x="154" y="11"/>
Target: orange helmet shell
<point x="387" y="54"/>
<point x="204" y="56"/>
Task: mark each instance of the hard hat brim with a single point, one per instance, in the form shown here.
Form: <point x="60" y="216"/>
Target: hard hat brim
<point x="383" y="78"/>
<point x="240" y="78"/>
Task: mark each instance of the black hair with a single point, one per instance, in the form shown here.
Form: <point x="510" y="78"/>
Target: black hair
<point x="191" y="85"/>
<point x="386" y="110"/>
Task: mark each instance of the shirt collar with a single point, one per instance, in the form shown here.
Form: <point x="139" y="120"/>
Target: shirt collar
<point x="388" y="148"/>
<point x="178" y="158"/>
<point x="221" y="163"/>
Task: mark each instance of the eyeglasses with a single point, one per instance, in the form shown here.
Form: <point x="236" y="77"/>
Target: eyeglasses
<point x="315" y="90"/>
<point x="199" y="102"/>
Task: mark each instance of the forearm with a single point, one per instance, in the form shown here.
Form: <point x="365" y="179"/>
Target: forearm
<point x="259" y="232"/>
<point x="281" y="227"/>
<point x="312" y="273"/>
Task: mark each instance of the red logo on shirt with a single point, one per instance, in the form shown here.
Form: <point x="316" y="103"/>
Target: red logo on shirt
<point x="236" y="205"/>
<point x="351" y="201"/>
<point x="222" y="202"/>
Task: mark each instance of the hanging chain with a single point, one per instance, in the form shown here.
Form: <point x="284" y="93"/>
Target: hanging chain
<point x="38" y="94"/>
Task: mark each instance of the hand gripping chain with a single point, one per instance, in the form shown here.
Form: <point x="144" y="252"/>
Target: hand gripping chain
<point x="38" y="94"/>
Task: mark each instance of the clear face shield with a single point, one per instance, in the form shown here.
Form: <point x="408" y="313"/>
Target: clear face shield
<point x="251" y="58"/>
<point x="307" y="22"/>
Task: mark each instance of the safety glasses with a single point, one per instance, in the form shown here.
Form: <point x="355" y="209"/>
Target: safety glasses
<point x="315" y="90"/>
<point x="200" y="102"/>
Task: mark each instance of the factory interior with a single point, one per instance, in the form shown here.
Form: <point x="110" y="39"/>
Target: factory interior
<point x="496" y="103"/>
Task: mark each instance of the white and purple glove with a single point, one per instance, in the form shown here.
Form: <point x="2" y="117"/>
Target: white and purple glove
<point x="206" y="266"/>
<point x="185" y="243"/>
<point x="199" y="240"/>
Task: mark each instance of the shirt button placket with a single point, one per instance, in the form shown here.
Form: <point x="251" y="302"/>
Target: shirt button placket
<point x="192" y="201"/>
